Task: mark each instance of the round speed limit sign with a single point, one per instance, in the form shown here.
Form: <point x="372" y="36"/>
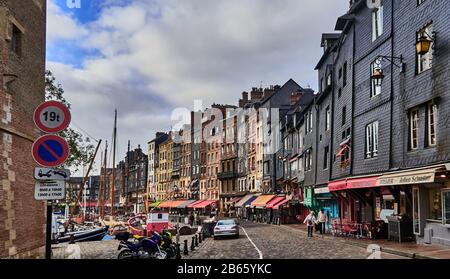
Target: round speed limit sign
<point x="52" y="117"/>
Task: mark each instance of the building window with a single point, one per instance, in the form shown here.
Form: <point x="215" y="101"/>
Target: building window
<point x="326" y="154"/>
<point x="435" y="202"/>
<point x="322" y="85"/>
<point x="310" y="122"/>
<point x="308" y="160"/>
<point x="431" y="124"/>
<point x="446" y="206"/>
<point x="327" y="118"/>
<point x="414" y="129"/>
<point x="425" y="61"/>
<point x="329" y="79"/>
<point x="377" y="22"/>
<point x="339" y="92"/>
<point x="344" y="115"/>
<point x="372" y="140"/>
<point x="375" y="88"/>
<point x="16" y="40"/>
<point x="344" y="81"/>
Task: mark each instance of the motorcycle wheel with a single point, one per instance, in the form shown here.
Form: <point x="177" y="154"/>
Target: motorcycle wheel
<point x="125" y="255"/>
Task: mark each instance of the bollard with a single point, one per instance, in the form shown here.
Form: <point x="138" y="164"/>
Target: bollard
<point x="193" y="244"/>
<point x="196" y="240"/>
<point x="185" y="252"/>
<point x="178" y="256"/>
<point x="200" y="238"/>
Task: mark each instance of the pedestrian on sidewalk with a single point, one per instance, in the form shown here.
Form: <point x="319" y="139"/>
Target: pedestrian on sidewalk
<point x="322" y="218"/>
<point x="191" y="219"/>
<point x="310" y="221"/>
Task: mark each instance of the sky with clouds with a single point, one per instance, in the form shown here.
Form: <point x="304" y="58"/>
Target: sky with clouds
<point x="147" y="57"/>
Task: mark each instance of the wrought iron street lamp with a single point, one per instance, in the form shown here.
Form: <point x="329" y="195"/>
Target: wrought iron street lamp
<point x="378" y="75"/>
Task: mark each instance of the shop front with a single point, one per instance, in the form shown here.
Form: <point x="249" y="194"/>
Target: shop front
<point x="429" y="189"/>
<point x="258" y="207"/>
<point x="242" y="207"/>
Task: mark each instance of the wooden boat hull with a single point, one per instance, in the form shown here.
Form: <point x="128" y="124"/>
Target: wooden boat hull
<point x="83" y="236"/>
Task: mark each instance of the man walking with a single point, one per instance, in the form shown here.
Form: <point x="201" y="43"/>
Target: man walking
<point x="310" y="221"/>
<point x="322" y="219"/>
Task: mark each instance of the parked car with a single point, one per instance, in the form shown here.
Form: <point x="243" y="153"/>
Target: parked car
<point x="226" y="228"/>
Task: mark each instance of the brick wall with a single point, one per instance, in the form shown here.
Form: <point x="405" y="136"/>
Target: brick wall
<point x="21" y="216"/>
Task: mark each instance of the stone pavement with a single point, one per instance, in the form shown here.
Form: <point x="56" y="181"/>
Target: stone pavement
<point x="279" y="242"/>
<point x="410" y="250"/>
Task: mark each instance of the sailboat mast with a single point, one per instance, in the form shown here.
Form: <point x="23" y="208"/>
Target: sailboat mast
<point x="113" y="164"/>
<point x="100" y="189"/>
<point x="103" y="193"/>
<point x="127" y="177"/>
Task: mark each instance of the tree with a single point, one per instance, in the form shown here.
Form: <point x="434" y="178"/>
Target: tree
<point x="80" y="148"/>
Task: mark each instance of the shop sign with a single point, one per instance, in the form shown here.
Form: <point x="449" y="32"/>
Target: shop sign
<point x="409" y="179"/>
<point x="323" y="190"/>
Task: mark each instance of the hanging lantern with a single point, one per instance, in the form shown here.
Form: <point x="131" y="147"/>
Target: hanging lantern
<point x="423" y="45"/>
<point x="378" y="76"/>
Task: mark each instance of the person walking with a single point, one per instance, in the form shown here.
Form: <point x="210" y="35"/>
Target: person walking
<point x="310" y="221"/>
<point x="322" y="219"/>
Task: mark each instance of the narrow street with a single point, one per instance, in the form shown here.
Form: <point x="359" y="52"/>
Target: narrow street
<point x="279" y="242"/>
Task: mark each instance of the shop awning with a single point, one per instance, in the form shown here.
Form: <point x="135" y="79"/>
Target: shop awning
<point x="194" y="203"/>
<point x="261" y="201"/>
<point x="170" y="204"/>
<point x="277" y="206"/>
<point x="419" y="175"/>
<point x="354" y="183"/>
<point x="154" y="204"/>
<point x="242" y="201"/>
<point x="234" y="200"/>
<point x="337" y="185"/>
<point x="164" y="204"/>
<point x="275" y="201"/>
<point x="185" y="203"/>
<point x="204" y="204"/>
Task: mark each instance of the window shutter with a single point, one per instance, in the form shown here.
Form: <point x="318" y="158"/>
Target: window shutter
<point x="9" y="31"/>
<point x="368" y="141"/>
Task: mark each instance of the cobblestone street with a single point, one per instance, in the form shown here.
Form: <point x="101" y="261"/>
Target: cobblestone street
<point x="279" y="242"/>
<point x="263" y="241"/>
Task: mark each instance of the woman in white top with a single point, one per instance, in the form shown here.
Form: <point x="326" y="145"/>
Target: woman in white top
<point x="310" y="221"/>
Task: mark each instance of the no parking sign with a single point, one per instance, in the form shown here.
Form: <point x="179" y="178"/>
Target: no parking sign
<point x="50" y="151"/>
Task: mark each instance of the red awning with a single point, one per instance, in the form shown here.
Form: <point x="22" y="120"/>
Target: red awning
<point x="365" y="182"/>
<point x="89" y="204"/>
<point x="337" y="185"/>
<point x="342" y="151"/>
<point x="275" y="201"/>
<point x="354" y="183"/>
<point x="277" y="206"/>
<point x="195" y="203"/>
<point x="204" y="204"/>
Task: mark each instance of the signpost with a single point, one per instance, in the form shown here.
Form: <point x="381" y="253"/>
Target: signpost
<point x="50" y="151"/>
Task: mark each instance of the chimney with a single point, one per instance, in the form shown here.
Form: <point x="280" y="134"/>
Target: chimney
<point x="256" y="94"/>
<point x="295" y="97"/>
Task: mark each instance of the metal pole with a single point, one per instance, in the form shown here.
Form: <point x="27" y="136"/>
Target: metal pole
<point x="113" y="167"/>
<point x="48" y="240"/>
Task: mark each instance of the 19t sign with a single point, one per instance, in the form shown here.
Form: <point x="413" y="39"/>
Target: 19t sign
<point x="52" y="117"/>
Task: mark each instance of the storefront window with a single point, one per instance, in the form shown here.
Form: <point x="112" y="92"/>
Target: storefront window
<point x="446" y="206"/>
<point x="416" y="212"/>
<point x="435" y="204"/>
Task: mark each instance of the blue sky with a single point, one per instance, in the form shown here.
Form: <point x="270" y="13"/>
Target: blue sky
<point x="148" y="57"/>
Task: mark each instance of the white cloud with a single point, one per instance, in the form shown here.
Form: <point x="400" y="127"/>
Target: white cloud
<point x="62" y="26"/>
<point x="159" y="54"/>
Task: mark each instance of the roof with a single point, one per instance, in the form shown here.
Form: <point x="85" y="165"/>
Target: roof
<point x="290" y="86"/>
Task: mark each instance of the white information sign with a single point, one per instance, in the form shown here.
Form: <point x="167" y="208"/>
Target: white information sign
<point x="49" y="190"/>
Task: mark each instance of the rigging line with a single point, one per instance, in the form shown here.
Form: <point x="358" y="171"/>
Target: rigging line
<point x="82" y="130"/>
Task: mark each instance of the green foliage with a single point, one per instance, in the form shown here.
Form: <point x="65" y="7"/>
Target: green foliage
<point x="80" y="148"/>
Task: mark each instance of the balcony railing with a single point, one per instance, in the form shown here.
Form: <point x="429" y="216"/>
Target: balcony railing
<point x="227" y="174"/>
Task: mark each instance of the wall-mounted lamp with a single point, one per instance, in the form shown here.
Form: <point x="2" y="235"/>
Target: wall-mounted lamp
<point x="378" y="75"/>
<point x="423" y="45"/>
